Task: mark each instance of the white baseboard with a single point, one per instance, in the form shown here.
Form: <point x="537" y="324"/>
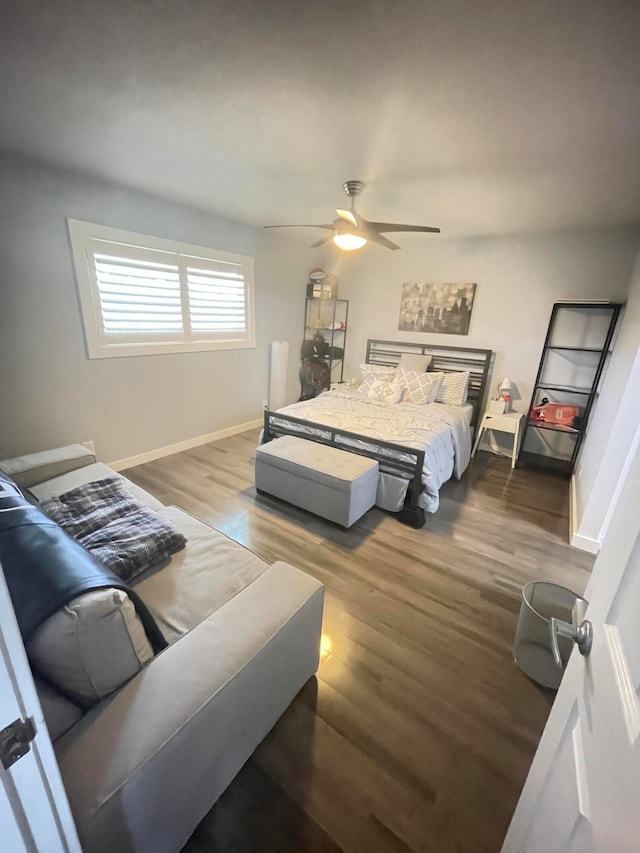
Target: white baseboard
<point x="583" y="543"/>
<point x="159" y="452"/>
<point x="576" y="540"/>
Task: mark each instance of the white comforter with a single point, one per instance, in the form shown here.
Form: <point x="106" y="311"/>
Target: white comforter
<point x="442" y="431"/>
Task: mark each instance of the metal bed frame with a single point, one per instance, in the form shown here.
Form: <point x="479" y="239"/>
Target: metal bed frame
<point x="447" y="359"/>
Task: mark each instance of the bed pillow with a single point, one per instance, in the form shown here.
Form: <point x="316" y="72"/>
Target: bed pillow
<point x="413" y="361"/>
<point x="419" y="388"/>
<point x="385" y="392"/>
<point x="365" y="386"/>
<point x="380" y="371"/>
<point x="454" y="388"/>
<point x="369" y="378"/>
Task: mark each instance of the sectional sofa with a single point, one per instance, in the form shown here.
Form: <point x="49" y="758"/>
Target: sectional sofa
<point x="147" y="742"/>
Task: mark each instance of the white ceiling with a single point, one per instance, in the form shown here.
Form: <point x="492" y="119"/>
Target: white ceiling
<point x="480" y="117"/>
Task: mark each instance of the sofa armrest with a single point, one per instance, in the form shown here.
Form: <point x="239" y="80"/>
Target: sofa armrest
<point x="142" y="770"/>
<point x="38" y="467"/>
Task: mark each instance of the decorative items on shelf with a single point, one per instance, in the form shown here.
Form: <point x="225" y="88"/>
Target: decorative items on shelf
<point x="322" y="285"/>
<point x="322" y="350"/>
<point x="556" y="414"/>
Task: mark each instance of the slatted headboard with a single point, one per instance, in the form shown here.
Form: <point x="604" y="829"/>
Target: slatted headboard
<point x="446" y="359"/>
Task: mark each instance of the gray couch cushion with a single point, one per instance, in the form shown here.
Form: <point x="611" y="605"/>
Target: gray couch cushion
<point x="195" y="582"/>
<point x="92" y="646"/>
<point x="97" y="471"/>
<point x="59" y="712"/>
<point x="37" y="467"/>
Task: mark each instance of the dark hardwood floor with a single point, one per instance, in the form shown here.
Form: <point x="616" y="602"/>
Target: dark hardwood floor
<point x="419" y="730"/>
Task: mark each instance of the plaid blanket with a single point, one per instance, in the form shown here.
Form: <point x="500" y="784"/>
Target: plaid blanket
<point x="116" y="528"/>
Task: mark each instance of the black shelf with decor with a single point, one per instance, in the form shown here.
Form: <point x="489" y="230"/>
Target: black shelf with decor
<point x="325" y="337"/>
<point x="575" y="352"/>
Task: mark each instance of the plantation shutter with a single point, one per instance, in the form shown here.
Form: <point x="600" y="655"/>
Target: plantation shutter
<point x="144" y="295"/>
<point x="216" y="297"/>
<point x="139" y="292"/>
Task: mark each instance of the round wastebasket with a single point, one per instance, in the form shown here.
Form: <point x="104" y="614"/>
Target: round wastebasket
<point x="532" y="650"/>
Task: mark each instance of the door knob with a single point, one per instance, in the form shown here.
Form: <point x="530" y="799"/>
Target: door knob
<point x="581" y="634"/>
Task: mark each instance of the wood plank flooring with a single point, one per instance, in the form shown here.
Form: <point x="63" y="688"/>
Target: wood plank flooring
<point x="418" y="732"/>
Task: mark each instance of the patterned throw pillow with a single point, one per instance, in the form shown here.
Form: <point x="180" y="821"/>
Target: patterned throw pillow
<point x="385" y="392"/>
<point x="454" y="389"/>
<point x="420" y="388"/>
<point x="365" y="386"/>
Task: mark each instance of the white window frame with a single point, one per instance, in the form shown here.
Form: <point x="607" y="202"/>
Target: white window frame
<point x="82" y="236"/>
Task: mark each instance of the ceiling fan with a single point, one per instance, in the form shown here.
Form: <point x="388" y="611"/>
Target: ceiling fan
<point x="352" y="231"/>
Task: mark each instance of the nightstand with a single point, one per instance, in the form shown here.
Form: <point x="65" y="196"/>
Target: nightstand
<point x="509" y="422"/>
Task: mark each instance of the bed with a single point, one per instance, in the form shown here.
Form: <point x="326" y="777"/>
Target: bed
<point x="418" y="447"/>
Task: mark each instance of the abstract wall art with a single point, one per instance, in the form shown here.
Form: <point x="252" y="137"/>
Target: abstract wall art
<point x="440" y="307"/>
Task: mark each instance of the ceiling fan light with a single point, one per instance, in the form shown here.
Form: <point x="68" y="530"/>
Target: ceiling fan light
<point x="345" y="236"/>
<point x="348" y="241"/>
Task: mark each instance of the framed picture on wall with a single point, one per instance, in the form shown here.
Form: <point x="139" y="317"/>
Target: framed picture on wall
<point x="440" y="307"/>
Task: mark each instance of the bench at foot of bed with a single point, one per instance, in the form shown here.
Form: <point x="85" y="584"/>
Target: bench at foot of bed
<point x="328" y="482"/>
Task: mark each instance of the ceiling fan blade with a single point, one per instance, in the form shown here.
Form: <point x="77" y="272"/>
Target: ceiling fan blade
<point x="321" y="241"/>
<point x="372" y="237"/>
<point x="394" y="226"/>
<point x="299" y="225"/>
<point x="348" y="215"/>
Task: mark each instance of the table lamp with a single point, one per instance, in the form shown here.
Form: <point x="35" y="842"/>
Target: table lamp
<point x="504" y="390"/>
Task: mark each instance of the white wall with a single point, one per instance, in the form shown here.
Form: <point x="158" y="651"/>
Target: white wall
<point x="612" y="427"/>
<point x="52" y="394"/>
<point x="518" y="279"/>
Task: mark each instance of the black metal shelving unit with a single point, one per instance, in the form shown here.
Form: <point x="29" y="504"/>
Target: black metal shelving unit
<point x="327" y="317"/>
<point x="590" y="326"/>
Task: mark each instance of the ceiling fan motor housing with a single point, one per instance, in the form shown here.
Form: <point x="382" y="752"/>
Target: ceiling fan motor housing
<point x="353" y="188"/>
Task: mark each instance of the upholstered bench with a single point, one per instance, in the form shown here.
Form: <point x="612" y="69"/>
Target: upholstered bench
<point x="331" y="483"/>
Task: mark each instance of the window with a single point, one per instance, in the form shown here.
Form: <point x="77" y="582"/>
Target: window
<point x="145" y="295"/>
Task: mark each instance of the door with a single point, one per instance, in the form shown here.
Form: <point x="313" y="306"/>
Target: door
<point x="582" y="794"/>
<point x="34" y="812"/>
